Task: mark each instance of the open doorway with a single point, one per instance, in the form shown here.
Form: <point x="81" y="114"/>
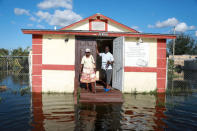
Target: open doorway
<point x="101" y="44"/>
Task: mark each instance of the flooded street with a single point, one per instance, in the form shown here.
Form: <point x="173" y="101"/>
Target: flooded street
<point x="25" y="111"/>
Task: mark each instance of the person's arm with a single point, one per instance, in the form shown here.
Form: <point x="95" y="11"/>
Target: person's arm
<point x="111" y="60"/>
<point x="97" y="52"/>
<point x="93" y="62"/>
<point x="81" y="66"/>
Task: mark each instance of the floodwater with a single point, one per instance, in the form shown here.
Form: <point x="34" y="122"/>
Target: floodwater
<point x="26" y="111"/>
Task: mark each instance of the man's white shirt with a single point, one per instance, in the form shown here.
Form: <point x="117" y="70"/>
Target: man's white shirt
<point x="106" y="57"/>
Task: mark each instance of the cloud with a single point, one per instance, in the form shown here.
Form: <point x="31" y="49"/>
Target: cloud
<point x="59" y="18"/>
<point x="43" y="15"/>
<point x="47" y="4"/>
<point x="196" y="33"/>
<point x="182" y="27"/>
<point x="19" y="11"/>
<point x="169" y="22"/>
<point x="32" y="18"/>
<point x="56" y="17"/>
<point x="172" y="22"/>
<point x="135" y="27"/>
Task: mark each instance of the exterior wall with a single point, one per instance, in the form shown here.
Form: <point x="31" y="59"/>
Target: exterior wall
<point x="53" y="63"/>
<point x="116" y="28"/>
<point x="36" y="63"/>
<point x="139" y="81"/>
<point x="58" y="81"/>
<point x="80" y="26"/>
<point x="56" y="50"/>
<point x="110" y="27"/>
<point x="151" y="77"/>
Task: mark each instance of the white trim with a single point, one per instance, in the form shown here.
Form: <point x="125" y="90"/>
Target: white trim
<point x="123" y="55"/>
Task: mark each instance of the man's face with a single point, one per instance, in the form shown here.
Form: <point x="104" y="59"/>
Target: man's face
<point x="106" y="49"/>
<point x="87" y="53"/>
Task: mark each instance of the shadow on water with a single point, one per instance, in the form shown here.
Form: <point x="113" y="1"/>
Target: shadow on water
<point x="36" y="111"/>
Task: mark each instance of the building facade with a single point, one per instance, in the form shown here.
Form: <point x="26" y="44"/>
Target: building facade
<point x="140" y="58"/>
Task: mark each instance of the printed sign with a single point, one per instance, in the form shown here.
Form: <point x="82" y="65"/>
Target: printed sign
<point x="136" y="54"/>
<point x="98" y="25"/>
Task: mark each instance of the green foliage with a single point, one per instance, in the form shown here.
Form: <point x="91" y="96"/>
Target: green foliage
<point x="15" y="52"/>
<point x="184" y="44"/>
<point x="20" y="52"/>
<point x="1" y="99"/>
<point x="154" y="92"/>
<point x="171" y="69"/>
<point x="24" y="91"/>
<point x="7" y="62"/>
<point x="4" y="52"/>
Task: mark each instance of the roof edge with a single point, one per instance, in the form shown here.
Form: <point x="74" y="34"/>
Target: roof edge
<point x="99" y="33"/>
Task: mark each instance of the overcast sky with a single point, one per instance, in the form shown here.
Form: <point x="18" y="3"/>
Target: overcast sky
<point x="148" y="16"/>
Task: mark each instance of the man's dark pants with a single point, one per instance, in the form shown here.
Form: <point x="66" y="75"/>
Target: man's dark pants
<point x="108" y="75"/>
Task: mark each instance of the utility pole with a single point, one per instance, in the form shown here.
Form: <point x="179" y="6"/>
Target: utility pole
<point x="174" y="43"/>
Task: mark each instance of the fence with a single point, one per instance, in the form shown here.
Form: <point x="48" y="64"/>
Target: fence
<point x="182" y="72"/>
<point x="14" y="70"/>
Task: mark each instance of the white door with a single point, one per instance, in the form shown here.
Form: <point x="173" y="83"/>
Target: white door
<point x="118" y="67"/>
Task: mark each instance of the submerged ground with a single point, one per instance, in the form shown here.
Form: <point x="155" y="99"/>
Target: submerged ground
<point x="21" y="110"/>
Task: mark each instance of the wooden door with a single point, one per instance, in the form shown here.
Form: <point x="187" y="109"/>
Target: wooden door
<point x="80" y="46"/>
<point x="118" y="67"/>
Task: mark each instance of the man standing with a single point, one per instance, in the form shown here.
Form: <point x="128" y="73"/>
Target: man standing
<point x="107" y="61"/>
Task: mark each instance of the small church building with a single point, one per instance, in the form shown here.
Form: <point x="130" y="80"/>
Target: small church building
<point x="139" y="58"/>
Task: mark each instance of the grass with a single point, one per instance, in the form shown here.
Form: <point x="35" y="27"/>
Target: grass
<point x="24" y="91"/>
<point x="154" y="92"/>
<point x="176" y="91"/>
<point x="53" y="92"/>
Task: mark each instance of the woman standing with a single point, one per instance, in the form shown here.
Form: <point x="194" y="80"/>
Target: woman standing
<point x="87" y="70"/>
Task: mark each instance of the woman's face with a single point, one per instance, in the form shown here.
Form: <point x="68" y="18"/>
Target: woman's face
<point x="87" y="53"/>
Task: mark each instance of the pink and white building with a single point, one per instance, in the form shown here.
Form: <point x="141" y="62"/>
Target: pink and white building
<point x="140" y="58"/>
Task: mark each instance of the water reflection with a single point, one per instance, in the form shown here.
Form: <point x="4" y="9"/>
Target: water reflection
<point x="57" y="112"/>
<point x="143" y="112"/>
<point x="102" y="117"/>
<point x="53" y="112"/>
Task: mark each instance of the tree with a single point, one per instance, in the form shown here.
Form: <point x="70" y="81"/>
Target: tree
<point x="4" y="52"/>
<point x="185" y="44"/>
<point x="20" y="52"/>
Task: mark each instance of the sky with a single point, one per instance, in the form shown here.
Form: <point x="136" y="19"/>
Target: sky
<point x="147" y="16"/>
